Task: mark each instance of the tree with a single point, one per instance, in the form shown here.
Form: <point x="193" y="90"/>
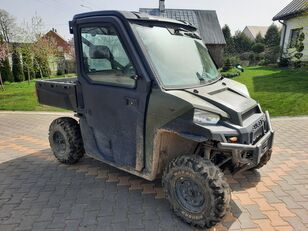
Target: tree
<point x="5" y="69"/>
<point x="43" y="49"/>
<point x="259" y="38"/>
<point x="36" y="49"/>
<point x="17" y="67"/>
<point x="27" y="61"/>
<point x="258" y="48"/>
<point x="241" y="42"/>
<point x="272" y="36"/>
<point x="7" y="26"/>
<point x="227" y="32"/>
<point x="229" y="40"/>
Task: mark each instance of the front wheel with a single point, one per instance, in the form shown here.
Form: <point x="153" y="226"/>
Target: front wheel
<point x="264" y="160"/>
<point x="196" y="190"/>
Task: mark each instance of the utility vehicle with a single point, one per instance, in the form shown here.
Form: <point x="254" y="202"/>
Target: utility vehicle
<point x="150" y="101"/>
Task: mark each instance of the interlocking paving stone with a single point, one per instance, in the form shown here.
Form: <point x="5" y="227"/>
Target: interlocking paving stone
<point x="38" y="193"/>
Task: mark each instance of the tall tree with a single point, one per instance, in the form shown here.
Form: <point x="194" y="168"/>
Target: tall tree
<point x="259" y="38"/>
<point x="272" y="36"/>
<point x="17" y="66"/>
<point x="5" y="69"/>
<point x="7" y="26"/>
<point x="229" y="40"/>
<point x="227" y="32"/>
<point x="241" y="42"/>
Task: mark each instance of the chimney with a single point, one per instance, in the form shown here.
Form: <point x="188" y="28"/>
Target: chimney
<point x="161" y="6"/>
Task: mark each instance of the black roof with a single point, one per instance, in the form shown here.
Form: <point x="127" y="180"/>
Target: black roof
<point x="296" y="7"/>
<point x="206" y="21"/>
<point x="135" y="16"/>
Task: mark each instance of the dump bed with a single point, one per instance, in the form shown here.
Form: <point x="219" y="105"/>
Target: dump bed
<point x="59" y="93"/>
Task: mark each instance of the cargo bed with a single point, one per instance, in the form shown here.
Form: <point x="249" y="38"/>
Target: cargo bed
<point x="59" y="93"/>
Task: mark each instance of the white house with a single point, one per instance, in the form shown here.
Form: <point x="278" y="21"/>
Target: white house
<point x="294" y="18"/>
<point x="252" y="31"/>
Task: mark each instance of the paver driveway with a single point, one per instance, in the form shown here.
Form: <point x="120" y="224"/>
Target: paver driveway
<point x="38" y="193"/>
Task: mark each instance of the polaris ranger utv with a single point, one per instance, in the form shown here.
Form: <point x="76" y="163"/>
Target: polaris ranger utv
<point x="150" y="101"/>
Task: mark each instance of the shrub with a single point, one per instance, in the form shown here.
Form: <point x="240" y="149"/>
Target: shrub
<point x="6" y="72"/>
<point x="272" y="54"/>
<point x="245" y="55"/>
<point x="227" y="65"/>
<point x="60" y="72"/>
<point x="284" y="62"/>
<point x="230" y="74"/>
<point x="235" y="60"/>
<point x="258" y="48"/>
<point x="17" y="67"/>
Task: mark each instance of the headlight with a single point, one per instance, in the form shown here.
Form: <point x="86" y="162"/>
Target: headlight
<point x="205" y="118"/>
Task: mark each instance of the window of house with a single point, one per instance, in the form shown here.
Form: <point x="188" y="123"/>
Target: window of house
<point x="295" y="33"/>
<point x="104" y="57"/>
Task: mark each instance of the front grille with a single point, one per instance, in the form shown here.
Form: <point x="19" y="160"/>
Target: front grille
<point x="258" y="130"/>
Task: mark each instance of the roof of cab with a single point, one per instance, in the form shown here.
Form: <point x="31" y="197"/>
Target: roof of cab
<point x="133" y="16"/>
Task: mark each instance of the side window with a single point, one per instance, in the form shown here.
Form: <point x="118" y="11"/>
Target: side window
<point x="294" y="37"/>
<point x="104" y="57"/>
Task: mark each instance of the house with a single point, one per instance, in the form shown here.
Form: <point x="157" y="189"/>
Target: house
<point x="294" y="18"/>
<point x="206" y="21"/>
<point x="64" y="59"/>
<point x="63" y="46"/>
<point x="252" y="31"/>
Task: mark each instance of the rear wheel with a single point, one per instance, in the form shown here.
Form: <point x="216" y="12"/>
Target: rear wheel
<point x="196" y="190"/>
<point x="65" y="140"/>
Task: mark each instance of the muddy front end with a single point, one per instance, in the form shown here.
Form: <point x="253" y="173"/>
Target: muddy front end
<point x="220" y="123"/>
<point x="246" y="147"/>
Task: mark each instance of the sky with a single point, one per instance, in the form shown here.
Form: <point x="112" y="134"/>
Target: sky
<point x="56" y="13"/>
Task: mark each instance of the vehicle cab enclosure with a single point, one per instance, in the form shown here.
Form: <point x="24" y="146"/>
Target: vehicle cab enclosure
<point x="148" y="91"/>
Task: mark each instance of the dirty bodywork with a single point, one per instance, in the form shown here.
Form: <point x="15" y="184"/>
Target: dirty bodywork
<point x="145" y="124"/>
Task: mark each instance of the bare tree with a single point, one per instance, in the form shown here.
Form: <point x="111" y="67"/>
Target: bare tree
<point x="35" y="45"/>
<point x="7" y="26"/>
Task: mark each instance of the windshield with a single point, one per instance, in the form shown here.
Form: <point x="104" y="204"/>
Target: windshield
<point x="179" y="57"/>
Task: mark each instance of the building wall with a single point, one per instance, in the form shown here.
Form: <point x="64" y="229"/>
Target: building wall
<point x="217" y="53"/>
<point x="247" y="32"/>
<point x="294" y="23"/>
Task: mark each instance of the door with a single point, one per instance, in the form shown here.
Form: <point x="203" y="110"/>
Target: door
<point x="114" y="92"/>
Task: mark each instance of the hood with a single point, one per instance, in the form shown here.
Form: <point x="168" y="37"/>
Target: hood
<point x="226" y="97"/>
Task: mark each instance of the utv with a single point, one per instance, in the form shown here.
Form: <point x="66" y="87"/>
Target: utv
<point x="150" y="101"/>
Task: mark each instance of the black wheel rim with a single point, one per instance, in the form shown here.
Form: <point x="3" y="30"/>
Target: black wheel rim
<point x="59" y="143"/>
<point x="190" y="195"/>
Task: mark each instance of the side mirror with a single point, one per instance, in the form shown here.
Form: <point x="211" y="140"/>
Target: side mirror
<point x="100" y="52"/>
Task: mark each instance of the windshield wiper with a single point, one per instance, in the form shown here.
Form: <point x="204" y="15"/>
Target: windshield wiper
<point x="193" y="35"/>
<point x="188" y="33"/>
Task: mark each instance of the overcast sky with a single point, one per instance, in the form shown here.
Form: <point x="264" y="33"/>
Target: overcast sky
<point x="56" y="13"/>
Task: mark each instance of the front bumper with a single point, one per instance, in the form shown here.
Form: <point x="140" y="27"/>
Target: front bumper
<point x="257" y="150"/>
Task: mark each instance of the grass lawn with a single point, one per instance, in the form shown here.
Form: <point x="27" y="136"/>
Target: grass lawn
<point x="282" y="92"/>
<point x="22" y="97"/>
